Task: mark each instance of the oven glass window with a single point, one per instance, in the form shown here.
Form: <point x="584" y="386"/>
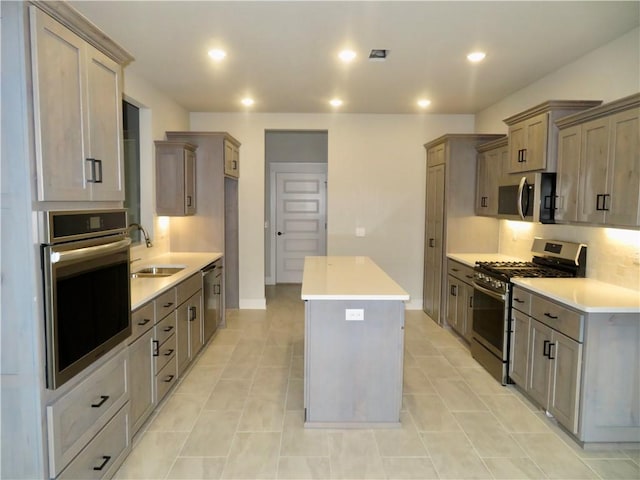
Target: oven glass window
<point x="92" y="306"/>
<point x="489" y="318"/>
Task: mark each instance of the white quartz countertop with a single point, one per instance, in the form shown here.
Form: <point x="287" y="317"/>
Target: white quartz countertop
<point x="348" y="278"/>
<point x="145" y="289"/>
<point x="584" y="294"/>
<point x="470" y="259"/>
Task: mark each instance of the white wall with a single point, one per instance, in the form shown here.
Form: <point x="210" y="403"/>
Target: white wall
<point x="608" y="73"/>
<point x="376" y="180"/>
<point x="158" y="114"/>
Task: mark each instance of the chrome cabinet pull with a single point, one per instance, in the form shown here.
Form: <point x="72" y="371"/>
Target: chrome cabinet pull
<point x="156" y="345"/>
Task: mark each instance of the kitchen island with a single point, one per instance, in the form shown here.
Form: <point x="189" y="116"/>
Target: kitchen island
<point x="354" y="341"/>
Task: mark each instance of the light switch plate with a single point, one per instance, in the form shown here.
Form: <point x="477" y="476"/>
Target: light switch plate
<point x="360" y="232"/>
<point x="354" y="314"/>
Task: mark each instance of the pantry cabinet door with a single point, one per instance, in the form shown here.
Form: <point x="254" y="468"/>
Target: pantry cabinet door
<point x="105" y="126"/>
<point x="58" y="67"/>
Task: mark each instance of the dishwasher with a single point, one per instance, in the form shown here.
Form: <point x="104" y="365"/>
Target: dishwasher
<point x="212" y="289"/>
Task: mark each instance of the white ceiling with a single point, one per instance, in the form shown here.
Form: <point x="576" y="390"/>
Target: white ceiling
<point x="284" y="54"/>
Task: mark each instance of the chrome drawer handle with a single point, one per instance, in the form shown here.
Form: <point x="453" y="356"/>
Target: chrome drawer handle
<point x="103" y="398"/>
<point x="105" y="459"/>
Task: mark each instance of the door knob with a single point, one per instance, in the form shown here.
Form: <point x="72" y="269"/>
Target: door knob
<point x="280" y="233"/>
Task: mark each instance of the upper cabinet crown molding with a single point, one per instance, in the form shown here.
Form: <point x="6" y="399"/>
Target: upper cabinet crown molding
<point x="620" y="105"/>
<point x="225" y="135"/>
<point x="551" y="105"/>
<point x="474" y="137"/>
<point x="84" y="28"/>
<point x="502" y="141"/>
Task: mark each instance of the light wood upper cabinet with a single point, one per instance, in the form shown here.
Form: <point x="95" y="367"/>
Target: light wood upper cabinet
<point x="533" y="134"/>
<point x="175" y="178"/>
<point x="493" y="161"/>
<point x="599" y="165"/>
<point x="77" y="91"/>
<point x="231" y="159"/>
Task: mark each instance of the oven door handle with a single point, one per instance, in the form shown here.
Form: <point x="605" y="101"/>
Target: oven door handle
<point x="87" y="252"/>
<point x="491" y="293"/>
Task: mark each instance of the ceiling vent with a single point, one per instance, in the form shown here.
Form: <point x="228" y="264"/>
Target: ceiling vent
<point x="378" y="55"/>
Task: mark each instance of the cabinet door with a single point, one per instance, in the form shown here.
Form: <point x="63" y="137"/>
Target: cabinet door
<point x="566" y="357"/>
<point x="58" y="67"/>
<point x="467" y="301"/>
<point x="196" y="333"/>
<point x="105" y="127"/>
<point x="434" y="238"/>
<point x="517" y="146"/>
<point x="231" y="159"/>
<point x="453" y="289"/>
<point x="535" y="156"/>
<point x="435" y="155"/>
<point x="567" y="179"/>
<point x="593" y="170"/>
<point x="539" y="365"/>
<point x="141" y="380"/>
<point x="623" y="186"/>
<point x="189" y="182"/>
<point x="519" y="348"/>
<point x="182" y="341"/>
<point x="482" y="184"/>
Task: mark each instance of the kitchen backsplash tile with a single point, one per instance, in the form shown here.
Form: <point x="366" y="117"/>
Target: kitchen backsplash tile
<point x="613" y="255"/>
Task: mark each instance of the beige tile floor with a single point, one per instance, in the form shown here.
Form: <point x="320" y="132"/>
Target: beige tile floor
<point x="238" y="414"/>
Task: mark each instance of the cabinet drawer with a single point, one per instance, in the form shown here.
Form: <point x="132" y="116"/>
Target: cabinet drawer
<point x="141" y="321"/>
<point x="76" y="417"/>
<point x="165" y="329"/>
<point x="164" y="352"/>
<point x="521" y="300"/>
<point x="166" y="378"/>
<point x="557" y="317"/>
<point x="165" y="304"/>
<point x="104" y="453"/>
<point x="187" y="288"/>
<point x="461" y="271"/>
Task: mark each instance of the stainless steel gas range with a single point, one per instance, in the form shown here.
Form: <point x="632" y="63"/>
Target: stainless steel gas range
<point x="492" y="297"/>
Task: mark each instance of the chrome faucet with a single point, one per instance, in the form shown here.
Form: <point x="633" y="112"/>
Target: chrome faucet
<point x="147" y="241"/>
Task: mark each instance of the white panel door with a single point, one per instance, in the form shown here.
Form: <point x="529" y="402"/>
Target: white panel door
<point x="301" y="206"/>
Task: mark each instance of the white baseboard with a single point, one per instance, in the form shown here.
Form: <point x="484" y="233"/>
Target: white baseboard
<point x="253" y="304"/>
<point x="413" y="305"/>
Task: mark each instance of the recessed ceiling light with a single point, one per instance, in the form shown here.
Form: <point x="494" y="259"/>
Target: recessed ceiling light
<point x="476" y="56"/>
<point x="247" y="102"/>
<point x="424" y="103"/>
<point x="336" y="102"/>
<point x="347" y="55"/>
<point x="217" y="54"/>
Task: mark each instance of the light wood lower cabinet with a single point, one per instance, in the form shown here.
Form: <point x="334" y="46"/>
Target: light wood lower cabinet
<point x="141" y="380"/>
<point x="460" y="299"/>
<point x="580" y="367"/>
<point x="102" y="457"/>
<point x="75" y="418"/>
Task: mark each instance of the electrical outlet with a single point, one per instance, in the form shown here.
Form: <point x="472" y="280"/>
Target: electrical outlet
<point x="360" y="232"/>
<point x="354" y="314"/>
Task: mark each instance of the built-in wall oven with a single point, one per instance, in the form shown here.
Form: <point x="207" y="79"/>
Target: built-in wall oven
<point x="492" y="297"/>
<point x="85" y="264"/>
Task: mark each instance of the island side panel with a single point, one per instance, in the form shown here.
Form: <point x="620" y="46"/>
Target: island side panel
<point x="353" y="368"/>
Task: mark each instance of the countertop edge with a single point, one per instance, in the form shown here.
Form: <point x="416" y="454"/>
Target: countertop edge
<point x="149" y="288"/>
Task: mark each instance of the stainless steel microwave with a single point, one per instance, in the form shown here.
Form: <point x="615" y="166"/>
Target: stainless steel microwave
<point x="529" y="198"/>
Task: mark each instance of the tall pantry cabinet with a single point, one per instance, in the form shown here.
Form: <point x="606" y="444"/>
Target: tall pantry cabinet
<point x="450" y="222"/>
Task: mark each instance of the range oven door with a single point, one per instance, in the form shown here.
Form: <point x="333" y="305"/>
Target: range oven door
<point x="490" y="331"/>
<point x="87" y="303"/>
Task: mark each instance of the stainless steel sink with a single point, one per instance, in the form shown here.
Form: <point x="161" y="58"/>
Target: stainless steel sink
<point x="155" y="272"/>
